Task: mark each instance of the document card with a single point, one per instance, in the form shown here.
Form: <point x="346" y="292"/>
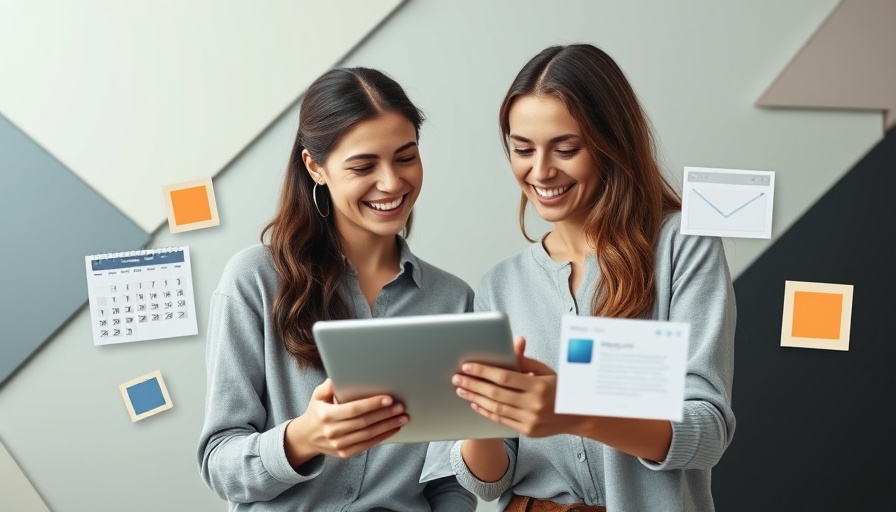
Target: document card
<point x="727" y="202"/>
<point x="621" y="367"/>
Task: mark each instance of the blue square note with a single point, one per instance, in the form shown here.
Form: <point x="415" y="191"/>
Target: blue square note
<point x="579" y="350"/>
<point x="146" y="396"/>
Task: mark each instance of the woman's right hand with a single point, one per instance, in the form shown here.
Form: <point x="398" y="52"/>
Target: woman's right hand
<point x="341" y="429"/>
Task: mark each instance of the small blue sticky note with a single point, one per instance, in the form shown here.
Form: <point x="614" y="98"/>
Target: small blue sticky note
<point x="146" y="396"/>
<point x="579" y="350"/>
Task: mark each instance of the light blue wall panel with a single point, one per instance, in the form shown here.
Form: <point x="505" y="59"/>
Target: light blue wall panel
<point x="49" y="220"/>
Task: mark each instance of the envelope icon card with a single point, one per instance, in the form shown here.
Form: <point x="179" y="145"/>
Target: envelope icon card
<point x="727" y="202"/>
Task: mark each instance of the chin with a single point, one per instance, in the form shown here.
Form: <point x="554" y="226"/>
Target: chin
<point x="391" y="230"/>
<point x="551" y="216"/>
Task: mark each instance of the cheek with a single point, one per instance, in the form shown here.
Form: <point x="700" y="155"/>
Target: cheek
<point x="348" y="193"/>
<point x="519" y="170"/>
<point x="415" y="177"/>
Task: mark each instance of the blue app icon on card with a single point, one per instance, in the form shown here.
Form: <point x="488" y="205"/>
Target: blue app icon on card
<point x="579" y="350"/>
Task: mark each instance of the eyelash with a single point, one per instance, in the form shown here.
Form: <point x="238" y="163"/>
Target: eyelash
<point x="562" y="153"/>
<point x="367" y="168"/>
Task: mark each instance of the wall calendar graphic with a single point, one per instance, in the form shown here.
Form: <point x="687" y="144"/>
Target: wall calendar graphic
<point x="141" y="295"/>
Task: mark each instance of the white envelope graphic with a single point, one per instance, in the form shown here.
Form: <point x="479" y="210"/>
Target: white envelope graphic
<point x="732" y="211"/>
<point x="712" y="205"/>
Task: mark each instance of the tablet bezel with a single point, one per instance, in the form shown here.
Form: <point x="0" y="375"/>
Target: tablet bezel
<point x="359" y="355"/>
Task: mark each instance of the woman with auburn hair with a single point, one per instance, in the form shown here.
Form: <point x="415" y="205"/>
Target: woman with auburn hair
<point x="274" y="438"/>
<point x="580" y="148"/>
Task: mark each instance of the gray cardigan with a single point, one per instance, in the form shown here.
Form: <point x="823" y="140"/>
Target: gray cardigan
<point x="692" y="285"/>
<point x="255" y="387"/>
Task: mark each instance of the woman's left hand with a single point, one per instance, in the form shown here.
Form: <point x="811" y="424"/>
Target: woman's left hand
<point x="523" y="400"/>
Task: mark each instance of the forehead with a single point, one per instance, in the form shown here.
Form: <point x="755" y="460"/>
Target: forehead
<point x="541" y="116"/>
<point x="380" y="135"/>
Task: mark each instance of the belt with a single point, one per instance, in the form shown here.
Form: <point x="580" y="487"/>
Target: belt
<point x="528" y="504"/>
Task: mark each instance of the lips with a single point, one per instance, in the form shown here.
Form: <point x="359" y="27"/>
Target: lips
<point x="547" y="194"/>
<point x="392" y="207"/>
<point x="385" y="206"/>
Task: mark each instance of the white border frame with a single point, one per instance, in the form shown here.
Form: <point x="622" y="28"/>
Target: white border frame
<point x="127" y="400"/>
<point x="212" y="205"/>
<point x="790" y="289"/>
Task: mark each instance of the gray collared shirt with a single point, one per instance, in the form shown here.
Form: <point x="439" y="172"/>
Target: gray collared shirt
<point x="692" y="285"/>
<point x="255" y="388"/>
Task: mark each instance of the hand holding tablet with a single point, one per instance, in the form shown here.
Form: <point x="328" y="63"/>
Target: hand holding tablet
<point x="413" y="359"/>
<point x="341" y="429"/>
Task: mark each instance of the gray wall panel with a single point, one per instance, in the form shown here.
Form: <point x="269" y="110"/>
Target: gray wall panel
<point x="49" y="221"/>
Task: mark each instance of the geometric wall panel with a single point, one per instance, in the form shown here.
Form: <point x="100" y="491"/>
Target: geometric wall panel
<point x="132" y="96"/>
<point x="58" y="220"/>
<point x="16" y="492"/>
<point x="847" y="64"/>
<point x="814" y="427"/>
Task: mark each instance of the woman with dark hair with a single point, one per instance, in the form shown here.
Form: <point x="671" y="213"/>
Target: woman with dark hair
<point x="274" y="438"/>
<point x="580" y="148"/>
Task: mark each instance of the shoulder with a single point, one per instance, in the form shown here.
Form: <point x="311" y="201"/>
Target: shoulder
<point x="689" y="253"/>
<point x="434" y="278"/>
<point x="511" y="270"/>
<point x="248" y="275"/>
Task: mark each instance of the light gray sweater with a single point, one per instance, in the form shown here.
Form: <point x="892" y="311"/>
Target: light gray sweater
<point x="255" y="387"/>
<point x="692" y="285"/>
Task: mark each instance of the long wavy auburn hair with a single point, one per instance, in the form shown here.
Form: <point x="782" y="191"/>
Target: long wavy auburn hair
<point x="634" y="197"/>
<point x="306" y="247"/>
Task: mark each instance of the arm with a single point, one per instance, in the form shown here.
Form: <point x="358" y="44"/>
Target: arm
<point x="238" y="459"/>
<point x="488" y="490"/>
<point x="241" y="461"/>
<point x="702" y="295"/>
<point x="447" y="495"/>
<point x="484" y="466"/>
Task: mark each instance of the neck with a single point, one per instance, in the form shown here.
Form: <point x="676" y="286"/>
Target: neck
<point x="370" y="254"/>
<point x="567" y="241"/>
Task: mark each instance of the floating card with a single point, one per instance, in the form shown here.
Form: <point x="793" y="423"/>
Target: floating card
<point x="141" y="295"/>
<point x="620" y="367"/>
<point x="727" y="202"/>
<point x="816" y="315"/>
<point x="145" y="396"/>
<point x="191" y="205"/>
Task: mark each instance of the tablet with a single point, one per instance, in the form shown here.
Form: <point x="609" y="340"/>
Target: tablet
<point x="412" y="358"/>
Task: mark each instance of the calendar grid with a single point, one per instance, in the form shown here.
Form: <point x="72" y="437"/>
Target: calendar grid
<point x="141" y="295"/>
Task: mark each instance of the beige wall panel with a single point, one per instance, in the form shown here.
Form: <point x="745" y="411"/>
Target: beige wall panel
<point x="847" y="63"/>
<point x="16" y="492"/>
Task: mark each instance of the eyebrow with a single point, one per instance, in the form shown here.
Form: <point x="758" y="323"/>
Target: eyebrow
<point x="559" y="138"/>
<point x="373" y="156"/>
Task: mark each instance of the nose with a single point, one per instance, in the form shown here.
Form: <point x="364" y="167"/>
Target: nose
<point x="543" y="169"/>
<point x="389" y="180"/>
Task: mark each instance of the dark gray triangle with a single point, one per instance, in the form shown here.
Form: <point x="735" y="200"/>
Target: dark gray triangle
<point x="814" y="427"/>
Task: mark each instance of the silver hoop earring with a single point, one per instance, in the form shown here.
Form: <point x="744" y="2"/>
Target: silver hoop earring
<point x="316" y="206"/>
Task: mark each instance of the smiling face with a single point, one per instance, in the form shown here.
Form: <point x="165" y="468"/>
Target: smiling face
<point x="549" y="159"/>
<point x="373" y="176"/>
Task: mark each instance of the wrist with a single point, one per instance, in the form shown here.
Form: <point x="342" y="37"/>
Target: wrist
<point x="297" y="450"/>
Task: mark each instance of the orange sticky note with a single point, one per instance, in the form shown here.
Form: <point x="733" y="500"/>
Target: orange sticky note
<point x="191" y="205"/>
<point x="816" y="315"/>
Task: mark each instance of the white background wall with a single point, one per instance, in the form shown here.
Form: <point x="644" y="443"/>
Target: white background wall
<point x="698" y="66"/>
